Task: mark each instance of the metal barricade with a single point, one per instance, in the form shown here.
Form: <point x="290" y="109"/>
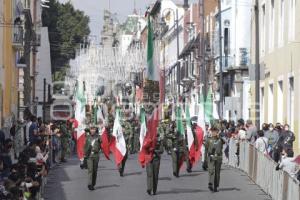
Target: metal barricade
<point x="261" y="169"/>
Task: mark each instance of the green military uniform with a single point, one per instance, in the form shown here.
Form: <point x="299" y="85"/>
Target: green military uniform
<point x="64" y="138"/>
<point x="169" y="135"/>
<point x="213" y="153"/>
<point x="178" y="152"/>
<point x="161" y="130"/>
<point x="136" y="137"/>
<point x="91" y="151"/>
<point x="152" y="168"/>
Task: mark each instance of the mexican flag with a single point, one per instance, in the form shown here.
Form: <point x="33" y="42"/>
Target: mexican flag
<point x="143" y="129"/>
<point x="179" y="123"/>
<point x="118" y="145"/>
<point x="152" y="70"/>
<point x="146" y="152"/>
<point x="106" y="141"/>
<point x="193" y="140"/>
<point x="200" y="128"/>
<point x="181" y="130"/>
<point x="80" y="118"/>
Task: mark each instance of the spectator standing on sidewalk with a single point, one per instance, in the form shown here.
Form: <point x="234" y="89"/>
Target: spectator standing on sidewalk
<point x="251" y="131"/>
<point x="33" y="130"/>
<point x="287" y="163"/>
<point x="261" y="144"/>
<point x="288" y="138"/>
<point x="273" y="137"/>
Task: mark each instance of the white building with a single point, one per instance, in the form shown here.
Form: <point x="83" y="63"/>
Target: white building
<point x="236" y="28"/>
<point x="169" y="12"/>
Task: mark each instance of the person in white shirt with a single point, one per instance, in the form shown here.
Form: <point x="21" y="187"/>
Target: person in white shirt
<point x="288" y="163"/>
<point x="261" y="144"/>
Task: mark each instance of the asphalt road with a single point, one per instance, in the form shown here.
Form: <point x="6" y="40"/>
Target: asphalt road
<point x="68" y="182"/>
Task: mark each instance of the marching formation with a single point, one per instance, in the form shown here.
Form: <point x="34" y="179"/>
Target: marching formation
<point x="119" y="131"/>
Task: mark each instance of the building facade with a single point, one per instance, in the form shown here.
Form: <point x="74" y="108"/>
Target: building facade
<point x="235" y="59"/>
<point x="19" y="36"/>
<point x="279" y="90"/>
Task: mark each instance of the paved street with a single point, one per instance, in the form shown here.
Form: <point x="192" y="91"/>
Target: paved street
<point x="69" y="182"/>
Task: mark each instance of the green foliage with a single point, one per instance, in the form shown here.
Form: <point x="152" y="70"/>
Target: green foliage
<point x="67" y="29"/>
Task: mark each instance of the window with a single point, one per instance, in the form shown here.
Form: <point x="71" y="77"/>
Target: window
<point x="292" y="12"/>
<point x="291" y="103"/>
<point x="281" y="23"/>
<point x="263" y="31"/>
<point x="271" y="104"/>
<point x="280" y="102"/>
<point x="262" y="103"/>
<point x="271" y="25"/>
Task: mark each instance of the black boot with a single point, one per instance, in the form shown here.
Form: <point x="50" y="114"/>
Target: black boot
<point x="210" y="187"/>
<point x="90" y="187"/>
<point x="149" y="192"/>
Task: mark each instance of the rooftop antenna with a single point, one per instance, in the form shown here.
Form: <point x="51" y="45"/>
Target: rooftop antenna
<point x="109" y="5"/>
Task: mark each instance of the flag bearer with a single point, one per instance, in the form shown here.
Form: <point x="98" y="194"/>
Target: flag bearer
<point x="91" y="152"/>
<point x="152" y="167"/>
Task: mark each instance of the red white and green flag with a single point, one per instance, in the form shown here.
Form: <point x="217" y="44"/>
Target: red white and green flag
<point x="80" y="118"/>
<point x="193" y="140"/>
<point x="179" y="122"/>
<point x="152" y="70"/>
<point x="118" y="146"/>
<point x="147" y="149"/>
<point x="143" y="129"/>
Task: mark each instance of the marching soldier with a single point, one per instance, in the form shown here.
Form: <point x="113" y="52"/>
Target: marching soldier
<point x="169" y="138"/>
<point x="127" y="130"/>
<point x="213" y="150"/>
<point x="136" y="136"/>
<point x="152" y="167"/>
<point x="64" y="137"/>
<point x="91" y="151"/>
<point x="178" y="150"/>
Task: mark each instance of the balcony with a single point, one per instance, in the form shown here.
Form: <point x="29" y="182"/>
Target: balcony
<point x="18" y="37"/>
<point x="227" y="62"/>
<point x="186" y="73"/>
<point x="20" y="62"/>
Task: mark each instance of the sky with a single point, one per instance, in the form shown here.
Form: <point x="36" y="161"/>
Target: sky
<point x="95" y="8"/>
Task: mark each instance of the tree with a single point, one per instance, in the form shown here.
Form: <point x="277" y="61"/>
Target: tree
<point x="67" y="29"/>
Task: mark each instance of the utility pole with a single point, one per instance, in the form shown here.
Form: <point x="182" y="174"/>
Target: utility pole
<point x="220" y="62"/>
<point x="257" y="66"/>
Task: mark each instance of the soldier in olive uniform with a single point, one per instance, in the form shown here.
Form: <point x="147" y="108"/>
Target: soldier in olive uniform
<point x="136" y="136"/>
<point x="213" y="150"/>
<point x="65" y="137"/>
<point x="169" y="134"/>
<point x="178" y="151"/>
<point x="152" y="167"/>
<point x="91" y="152"/>
<point x="127" y="130"/>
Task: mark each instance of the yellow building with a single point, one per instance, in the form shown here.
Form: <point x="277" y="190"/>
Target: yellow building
<point x="9" y="70"/>
<point x="280" y="63"/>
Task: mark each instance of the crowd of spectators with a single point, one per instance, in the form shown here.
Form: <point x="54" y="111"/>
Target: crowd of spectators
<point x="27" y="152"/>
<point x="275" y="141"/>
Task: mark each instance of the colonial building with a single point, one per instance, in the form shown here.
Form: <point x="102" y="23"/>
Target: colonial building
<point x="279" y="90"/>
<point x="19" y="32"/>
<point x="233" y="60"/>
